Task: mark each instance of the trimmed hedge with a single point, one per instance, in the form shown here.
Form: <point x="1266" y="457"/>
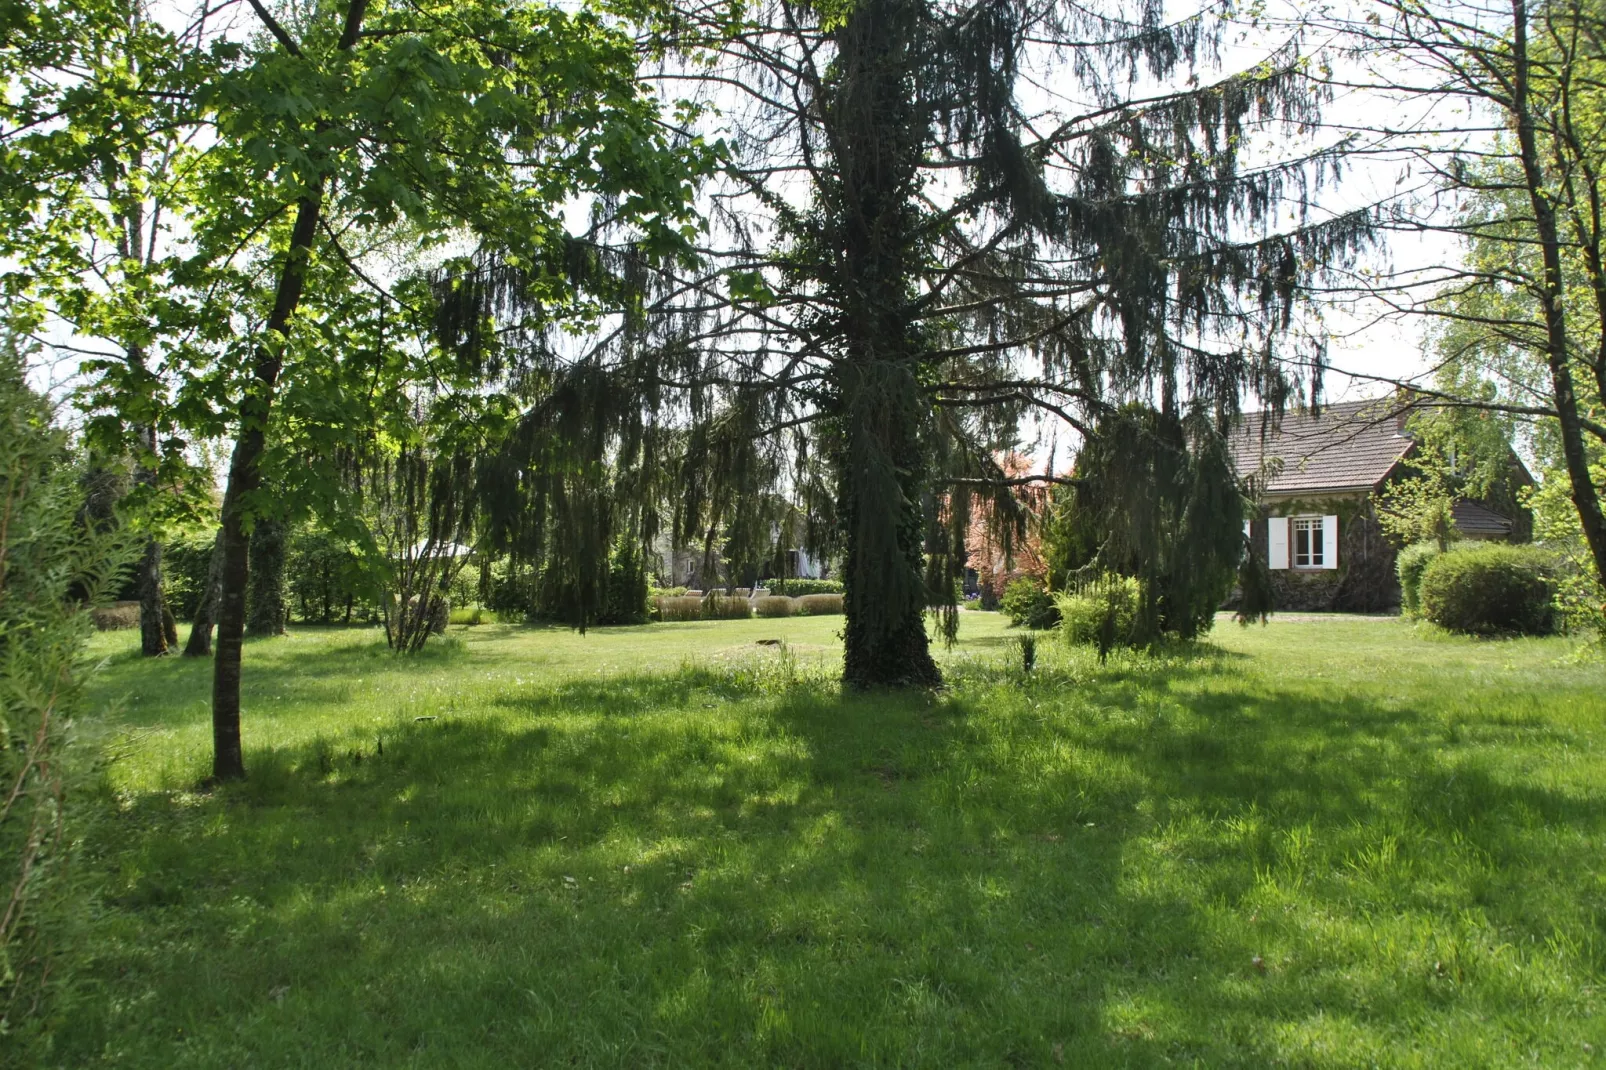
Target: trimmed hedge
<point x="774" y="606"/>
<point x="1409" y="566"/>
<point x="819" y="605"/>
<point x="718" y="606"/>
<point x="1490" y="589"/>
<point x="680" y="607"/>
<point x="799" y="588"/>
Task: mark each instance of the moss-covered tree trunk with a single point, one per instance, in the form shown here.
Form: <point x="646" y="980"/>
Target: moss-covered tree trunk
<point x="877" y="133"/>
<point x="152" y="605"/>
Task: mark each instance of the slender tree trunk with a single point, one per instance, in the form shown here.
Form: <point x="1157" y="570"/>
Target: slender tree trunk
<point x="200" y="641"/>
<point x="152" y="628"/>
<point x="244" y="485"/>
<point x="1574" y="451"/>
<point x="876" y="137"/>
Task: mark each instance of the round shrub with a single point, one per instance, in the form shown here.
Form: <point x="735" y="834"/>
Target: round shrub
<point x="773" y="606"/>
<point x="1409" y="566"/>
<point x="1027" y="604"/>
<point x="1489" y="589"/>
<point x="819" y="605"/>
<point x="1102" y="613"/>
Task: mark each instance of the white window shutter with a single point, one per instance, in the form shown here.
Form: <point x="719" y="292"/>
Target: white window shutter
<point x="1329" y="542"/>
<point x="1277" y="542"/>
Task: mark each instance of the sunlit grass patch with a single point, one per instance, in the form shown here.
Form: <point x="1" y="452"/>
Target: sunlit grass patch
<point x="1326" y="843"/>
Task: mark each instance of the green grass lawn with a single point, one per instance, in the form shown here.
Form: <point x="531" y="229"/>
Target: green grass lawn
<point x="1329" y="842"/>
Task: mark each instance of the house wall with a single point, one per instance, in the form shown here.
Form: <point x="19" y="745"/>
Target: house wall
<point x="1363" y="582"/>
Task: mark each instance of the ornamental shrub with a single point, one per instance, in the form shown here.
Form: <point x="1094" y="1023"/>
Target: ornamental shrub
<point x="819" y="605"/>
<point x="1103" y="613"/>
<point x="773" y="606"/>
<point x="798" y="588"/>
<point x="718" y="606"/>
<point x="680" y="607"/>
<point x="1490" y="589"/>
<point x="1409" y="566"/>
<point x="1028" y="605"/>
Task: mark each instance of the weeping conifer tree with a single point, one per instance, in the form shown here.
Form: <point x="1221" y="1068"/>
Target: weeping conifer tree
<point x="959" y="264"/>
<point x="963" y="264"/>
<point x="1156" y="498"/>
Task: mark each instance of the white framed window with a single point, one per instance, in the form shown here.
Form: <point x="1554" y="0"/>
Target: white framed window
<point x="1310" y="545"/>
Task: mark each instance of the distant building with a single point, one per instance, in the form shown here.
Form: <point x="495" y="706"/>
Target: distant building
<point x="1316" y="526"/>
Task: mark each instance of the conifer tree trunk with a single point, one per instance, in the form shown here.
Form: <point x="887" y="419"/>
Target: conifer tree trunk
<point x="876" y="139"/>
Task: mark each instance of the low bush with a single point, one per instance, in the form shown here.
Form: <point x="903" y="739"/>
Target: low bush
<point x="717" y="606"/>
<point x="1102" y="613"/>
<point x="819" y="605"/>
<point x="1409" y="566"/>
<point x="773" y="606"/>
<point x="1029" y="605"/>
<point x="115" y="617"/>
<point x="1490" y="589"/>
<point x="666" y="592"/>
<point x="680" y="607"/>
<point x="799" y="588"/>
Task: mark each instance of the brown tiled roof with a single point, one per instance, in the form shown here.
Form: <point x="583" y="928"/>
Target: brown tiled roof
<point x="1479" y="521"/>
<point x="1351" y="445"/>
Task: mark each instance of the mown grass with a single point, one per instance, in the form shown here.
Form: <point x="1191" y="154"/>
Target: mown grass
<point x="1331" y="843"/>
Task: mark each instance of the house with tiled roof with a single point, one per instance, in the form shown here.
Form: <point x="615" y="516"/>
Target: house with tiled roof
<point x="1316" y="476"/>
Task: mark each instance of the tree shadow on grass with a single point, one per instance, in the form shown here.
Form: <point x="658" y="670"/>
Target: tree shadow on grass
<point x="737" y="867"/>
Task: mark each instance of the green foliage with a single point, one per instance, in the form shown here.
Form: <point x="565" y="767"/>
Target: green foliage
<point x="1409" y="565"/>
<point x="797" y="588"/>
<point x="1490" y="589"/>
<point x="1028" y="604"/>
<point x="328" y="580"/>
<point x="266" y="611"/>
<point x="48" y="561"/>
<point x="469" y="616"/>
<point x="626" y="601"/>
<point x="1580" y="596"/>
<point x="774" y="606"/>
<point x="1417" y="508"/>
<point x="1157" y="499"/>
<point x="1103" y="613"/>
<point x="186" y="560"/>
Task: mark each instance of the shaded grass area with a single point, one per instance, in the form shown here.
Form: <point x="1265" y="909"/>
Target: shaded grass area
<point x="1325" y="843"/>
